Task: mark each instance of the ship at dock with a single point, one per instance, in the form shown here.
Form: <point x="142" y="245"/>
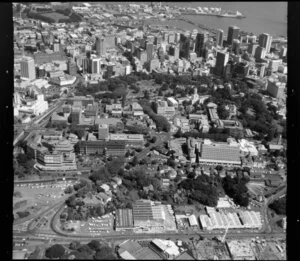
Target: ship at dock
<point x="212" y="11"/>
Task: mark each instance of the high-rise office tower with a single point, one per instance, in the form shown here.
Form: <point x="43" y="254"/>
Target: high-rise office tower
<point x="158" y="39"/>
<point x="235" y="46"/>
<point x="265" y="41"/>
<point x="103" y="43"/>
<point x="222" y="60"/>
<point x="260" y="53"/>
<point x="252" y="48"/>
<point x="28" y="68"/>
<point x="76" y="114"/>
<point x="150" y="38"/>
<point x="233" y="33"/>
<point x="149" y="50"/>
<point x="72" y="67"/>
<point x="177" y="37"/>
<point x="283" y="52"/>
<point x="95" y="65"/>
<point x="56" y="47"/>
<point x="200" y="43"/>
<point x="100" y="45"/>
<point x="86" y="65"/>
<point x="220" y="35"/>
<point x="171" y="38"/>
<point x="184" y="46"/>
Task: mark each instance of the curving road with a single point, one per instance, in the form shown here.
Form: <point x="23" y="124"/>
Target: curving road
<point x="33" y="234"/>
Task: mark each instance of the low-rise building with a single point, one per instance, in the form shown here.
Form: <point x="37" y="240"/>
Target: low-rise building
<point x="240" y="250"/>
<point x="124" y="219"/>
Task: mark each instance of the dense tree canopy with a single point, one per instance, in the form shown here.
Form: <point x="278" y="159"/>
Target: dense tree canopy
<point x="279" y="206"/>
<point x="236" y="189"/>
<point x="55" y="251"/>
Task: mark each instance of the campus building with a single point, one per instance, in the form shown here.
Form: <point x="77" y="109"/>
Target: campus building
<point x="219" y="153"/>
<point x="55" y="160"/>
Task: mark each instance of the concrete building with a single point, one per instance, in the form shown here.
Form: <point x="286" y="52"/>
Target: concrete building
<point x="124" y="219"/>
<point x="76" y="115"/>
<point x="220" y="36"/>
<point x="91" y="147"/>
<point x="233" y="33"/>
<point x="28" y="68"/>
<point x="219" y="153"/>
<point x="136" y="140"/>
<point x="153" y="216"/>
<point x="252" y="48"/>
<point x="55" y="160"/>
<point x="116" y="147"/>
<point x="260" y="53"/>
<point x="265" y="41"/>
<point x="165" y="110"/>
<point x="35" y="107"/>
<point x="95" y="65"/>
<point x="137" y="109"/>
<point x="276" y="88"/>
<point x="221" y="61"/>
<point x="201" y="39"/>
<point x="103" y="132"/>
<point x="103" y="43"/>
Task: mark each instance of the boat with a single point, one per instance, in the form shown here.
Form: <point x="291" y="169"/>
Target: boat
<point x="213" y="11"/>
<point x="231" y="14"/>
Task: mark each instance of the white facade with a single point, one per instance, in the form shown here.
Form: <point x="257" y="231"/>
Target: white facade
<point x="36" y="107"/>
<point x="28" y="68"/>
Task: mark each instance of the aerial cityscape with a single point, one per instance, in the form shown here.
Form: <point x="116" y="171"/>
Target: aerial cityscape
<point x="150" y="130"/>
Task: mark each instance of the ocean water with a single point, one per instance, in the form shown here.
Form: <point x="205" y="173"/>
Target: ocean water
<point x="261" y="17"/>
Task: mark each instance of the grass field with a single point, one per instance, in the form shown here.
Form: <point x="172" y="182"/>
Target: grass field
<point x="55" y="16"/>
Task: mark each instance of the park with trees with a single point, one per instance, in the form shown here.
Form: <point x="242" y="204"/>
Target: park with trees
<point x="94" y="250"/>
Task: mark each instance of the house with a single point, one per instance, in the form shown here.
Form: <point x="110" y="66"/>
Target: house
<point x="148" y="188"/>
<point x="104" y="197"/>
<point x="117" y="180"/>
<point x="105" y="187"/>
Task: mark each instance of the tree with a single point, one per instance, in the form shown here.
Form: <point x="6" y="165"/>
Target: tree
<point x="222" y="112"/>
<point x="146" y="95"/>
<point x="153" y="140"/>
<point x="115" y="165"/>
<point x="171" y="162"/>
<point x="55" y="251"/>
<point x="69" y="190"/>
<point x="85" y="249"/>
<point x="22" y="159"/>
<point x="101" y="174"/>
<point x="94" y="245"/>
<point x="279" y="206"/>
<point x="74" y="245"/>
<point x="134" y="161"/>
<point x="105" y="253"/>
<point x="178" y="134"/>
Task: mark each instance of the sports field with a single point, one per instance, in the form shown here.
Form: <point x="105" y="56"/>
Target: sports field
<point x="55" y="16"/>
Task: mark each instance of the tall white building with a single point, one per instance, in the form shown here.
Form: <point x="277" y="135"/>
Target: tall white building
<point x="28" y="68"/>
<point x="96" y="65"/>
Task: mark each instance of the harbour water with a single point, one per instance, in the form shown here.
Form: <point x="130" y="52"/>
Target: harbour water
<point x="261" y="17"/>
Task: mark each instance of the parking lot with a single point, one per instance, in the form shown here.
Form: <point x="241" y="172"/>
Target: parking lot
<point x="100" y="225"/>
<point x="40" y="195"/>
